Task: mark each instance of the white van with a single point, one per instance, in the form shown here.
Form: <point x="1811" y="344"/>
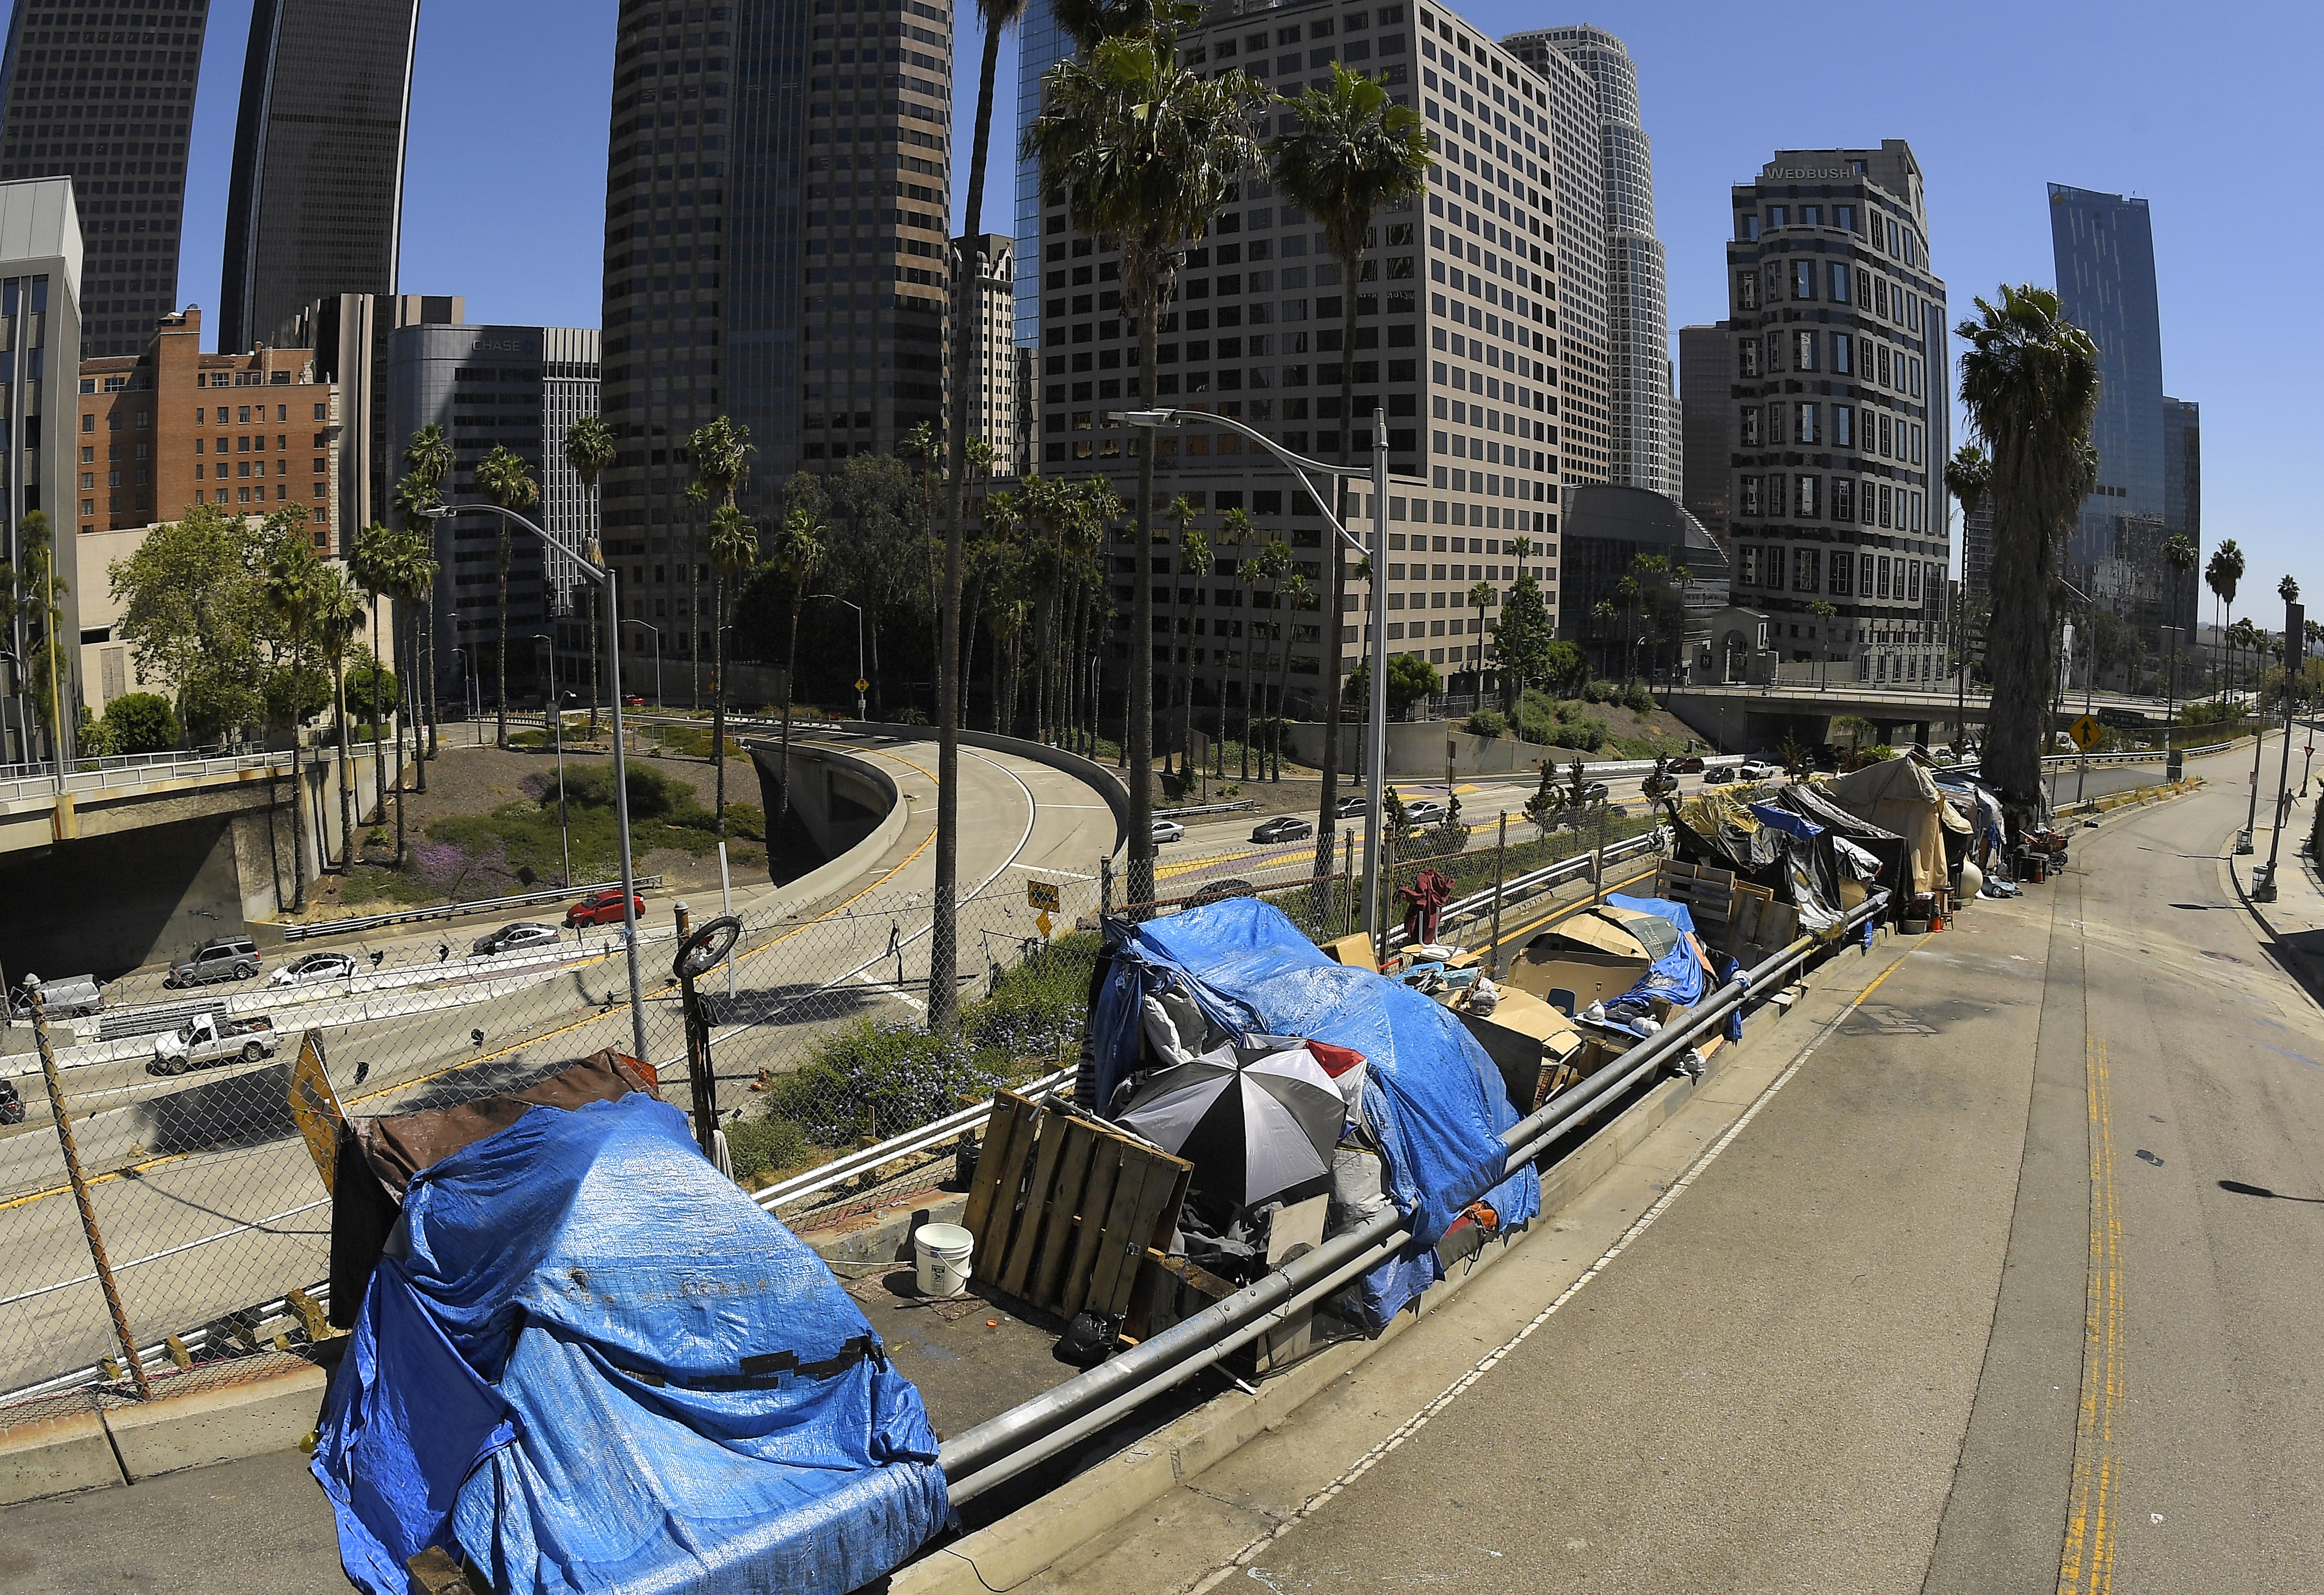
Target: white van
<point x="74" y="996"/>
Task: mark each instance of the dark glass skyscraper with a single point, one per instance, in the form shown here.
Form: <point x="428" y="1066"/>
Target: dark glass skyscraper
<point x="777" y="206"/>
<point x="2104" y="245"/>
<point x="104" y="94"/>
<point x="315" y="203"/>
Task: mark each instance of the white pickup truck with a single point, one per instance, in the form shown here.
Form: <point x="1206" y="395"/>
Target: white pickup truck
<point x="212" y="1039"/>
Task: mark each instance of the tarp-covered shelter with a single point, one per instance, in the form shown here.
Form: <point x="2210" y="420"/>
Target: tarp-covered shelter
<point x="1432" y="1099"/>
<point x="586" y="1360"/>
<point x="1898" y="794"/>
<point x="1724" y="830"/>
<point x="1811" y="803"/>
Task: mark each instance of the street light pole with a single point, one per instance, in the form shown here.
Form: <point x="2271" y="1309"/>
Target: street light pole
<point x="1307" y="470"/>
<point x="618" y="623"/>
<point x="859" y="676"/>
<point x="557" y="710"/>
<point x="591" y="565"/>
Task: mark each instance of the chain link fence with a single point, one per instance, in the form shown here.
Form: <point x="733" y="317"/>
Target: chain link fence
<point x="214" y="1218"/>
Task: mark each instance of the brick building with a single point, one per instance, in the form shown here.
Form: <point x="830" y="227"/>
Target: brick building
<point x="173" y="427"/>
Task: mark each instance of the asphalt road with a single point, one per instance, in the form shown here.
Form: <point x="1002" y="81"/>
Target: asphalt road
<point x="1965" y="1305"/>
<point x="208" y="1201"/>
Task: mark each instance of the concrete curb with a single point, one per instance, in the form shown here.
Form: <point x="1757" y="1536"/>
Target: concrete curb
<point x="1034" y="1538"/>
<point x="89" y="1441"/>
<point x="2302" y="967"/>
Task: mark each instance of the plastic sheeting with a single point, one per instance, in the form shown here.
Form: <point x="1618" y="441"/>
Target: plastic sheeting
<point x="593" y="1364"/>
<point x="1431" y="1096"/>
<point x="1678" y="974"/>
<point x="1899" y="796"/>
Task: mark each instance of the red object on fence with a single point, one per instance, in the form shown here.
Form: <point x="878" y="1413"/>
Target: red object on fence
<point x="1429" y="892"/>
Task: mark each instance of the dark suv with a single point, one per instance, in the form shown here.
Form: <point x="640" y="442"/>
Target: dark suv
<point x="221" y="958"/>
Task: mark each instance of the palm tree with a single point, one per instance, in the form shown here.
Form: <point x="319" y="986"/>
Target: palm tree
<point x="427" y="460"/>
<point x="290" y="588"/>
<point x="507" y="481"/>
<point x="734" y="550"/>
<point x="1295" y="598"/>
<point x="1180" y="512"/>
<point x="415" y="571"/>
<point x="1968" y="477"/>
<point x="1007" y="624"/>
<point x="1251" y="573"/>
<point x="2221" y="576"/>
<point x="1234" y="532"/>
<point x="1824" y="609"/>
<point x="338" y="616"/>
<point x="2030" y="382"/>
<point x="2180" y="555"/>
<point x="1146" y="152"/>
<point x="29" y="597"/>
<point x="589" y="449"/>
<point x="720" y="451"/>
<point x="1354" y="151"/>
<point x="1195" y="561"/>
<point x="798" y="554"/>
<point x="1480" y="598"/>
<point x="371" y="562"/>
<point x="1274" y="564"/>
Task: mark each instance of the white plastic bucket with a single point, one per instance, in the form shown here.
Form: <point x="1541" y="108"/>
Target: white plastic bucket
<point x="941" y="1252"/>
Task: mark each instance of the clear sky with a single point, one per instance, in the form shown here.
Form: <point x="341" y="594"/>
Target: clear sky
<point x="2208" y="112"/>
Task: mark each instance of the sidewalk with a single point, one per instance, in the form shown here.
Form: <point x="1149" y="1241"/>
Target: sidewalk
<point x="2295" y="921"/>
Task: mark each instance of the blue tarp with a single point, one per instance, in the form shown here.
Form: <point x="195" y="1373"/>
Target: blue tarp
<point x="1678" y="973"/>
<point x="1785" y="821"/>
<point x="1433" y="1097"/>
<point x="593" y="1363"/>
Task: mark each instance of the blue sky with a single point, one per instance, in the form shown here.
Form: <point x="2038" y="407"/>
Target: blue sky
<point x="2210" y="113"/>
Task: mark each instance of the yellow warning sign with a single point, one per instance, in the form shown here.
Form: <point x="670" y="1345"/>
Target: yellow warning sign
<point x="315" y="1108"/>
<point x="2086" y="733"/>
<point x="1042" y="894"/>
<point x="1042" y="920"/>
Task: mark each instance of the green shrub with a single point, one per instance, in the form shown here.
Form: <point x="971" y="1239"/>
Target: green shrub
<point x="877" y="1079"/>
<point x="653" y="794"/>
<point x="141" y="723"/>
<point x="1488" y="723"/>
<point x="1598" y="692"/>
<point x="1638" y="699"/>
<point x="761" y="1149"/>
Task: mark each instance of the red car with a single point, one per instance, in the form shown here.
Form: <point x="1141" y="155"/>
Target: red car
<point x="604" y="907"/>
<point x="1690" y="765"/>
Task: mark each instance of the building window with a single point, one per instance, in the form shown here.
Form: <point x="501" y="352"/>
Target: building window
<point x="1803" y="351"/>
<point x="1778" y="216"/>
<point x="1841" y="574"/>
<point x="1808" y="417"/>
<point x="1804" y="283"/>
<point x="1806" y="575"/>
<point x="1775" y="423"/>
<point x="1772" y="573"/>
<point x="1841" y="345"/>
<point x="1808" y="498"/>
<point x="1747" y="290"/>
<point x="1750" y="426"/>
<point x="1750" y="575"/>
<point x="1843" y="422"/>
<point x="1746" y="362"/>
<point x="1774" y="353"/>
<point x="1838" y="284"/>
<point x="1750" y="500"/>
<point x="1882" y="590"/>
<point x="1843" y="494"/>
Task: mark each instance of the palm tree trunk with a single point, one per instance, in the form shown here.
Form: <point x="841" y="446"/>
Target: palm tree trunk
<point x="1328" y="811"/>
<point x="791" y="663"/>
<point x="1138" y="735"/>
<point x="1282" y="694"/>
<point x="298" y="798"/>
<point x="500" y="658"/>
<point x="346" y="769"/>
<point x="879" y="703"/>
<point x="596" y="684"/>
<point x="1249" y="638"/>
<point x="718" y="696"/>
<point x="378" y="752"/>
<point x="693" y="613"/>
<point x="407" y="693"/>
<point x="435" y="702"/>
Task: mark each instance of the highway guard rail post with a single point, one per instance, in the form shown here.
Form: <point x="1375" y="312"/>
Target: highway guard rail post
<point x="998" y="1448"/>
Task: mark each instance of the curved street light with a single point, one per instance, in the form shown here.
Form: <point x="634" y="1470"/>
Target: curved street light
<point x="590" y="564"/>
<point x="1308" y="470"/>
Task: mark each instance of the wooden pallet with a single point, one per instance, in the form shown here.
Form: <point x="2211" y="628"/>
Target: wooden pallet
<point x="1063" y="1210"/>
<point x="1709" y="894"/>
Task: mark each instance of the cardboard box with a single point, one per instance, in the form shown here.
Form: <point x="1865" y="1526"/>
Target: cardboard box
<point x="1355" y="951"/>
<point x="1523" y="1035"/>
<point x="1587" y="957"/>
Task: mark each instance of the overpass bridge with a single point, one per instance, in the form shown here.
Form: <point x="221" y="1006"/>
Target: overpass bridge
<point x="1742" y="718"/>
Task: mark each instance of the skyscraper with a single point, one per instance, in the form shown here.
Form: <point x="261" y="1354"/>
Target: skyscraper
<point x="1706" y="378"/>
<point x="993" y="391"/>
<point x="40" y="367"/>
<point x="2104" y="245"/>
<point x="1839" y="403"/>
<point x="1572" y="176"/>
<point x="315" y="202"/>
<point x="105" y="94"/>
<point x="1640" y="407"/>
<point x="777" y="211"/>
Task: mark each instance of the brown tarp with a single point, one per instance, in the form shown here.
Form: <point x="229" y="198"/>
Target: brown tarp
<point x="1897" y="795"/>
<point x="399" y="1145"/>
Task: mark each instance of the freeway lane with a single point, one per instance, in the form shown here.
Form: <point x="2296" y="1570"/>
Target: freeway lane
<point x="1963" y="1307"/>
<point x="213" y="1152"/>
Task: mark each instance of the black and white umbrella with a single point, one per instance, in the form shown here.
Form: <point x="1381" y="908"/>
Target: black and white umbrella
<point x="1251" y="1122"/>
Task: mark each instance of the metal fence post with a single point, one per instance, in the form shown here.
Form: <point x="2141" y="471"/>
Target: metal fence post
<point x="1105" y="887"/>
<point x="1347" y="883"/>
<point x="58" y="1106"/>
<point x="1500" y="869"/>
<point x="1387" y="894"/>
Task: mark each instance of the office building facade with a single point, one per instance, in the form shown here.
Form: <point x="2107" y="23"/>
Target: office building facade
<point x="778" y="200"/>
<point x="41" y="265"/>
<point x="1836" y="316"/>
<point x="1455" y="340"/>
<point x="1640" y="409"/>
<point x="104" y="95"/>
<point x="488" y="387"/>
<point x="314" y="204"/>
<point x="348" y="335"/>
<point x="1571" y="160"/>
<point x="1706" y="380"/>
<point x="993" y="384"/>
<point x="1606" y="530"/>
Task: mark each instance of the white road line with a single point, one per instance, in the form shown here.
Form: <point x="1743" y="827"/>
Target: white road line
<point x="1486" y="1364"/>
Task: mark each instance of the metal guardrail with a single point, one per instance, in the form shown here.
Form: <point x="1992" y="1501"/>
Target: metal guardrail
<point x="1179" y="814"/>
<point x="303" y="933"/>
<point x="998" y="1448"/>
<point x="154" y="1021"/>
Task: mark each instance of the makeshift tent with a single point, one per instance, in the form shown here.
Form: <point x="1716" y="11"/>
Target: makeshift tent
<point x="1794" y="862"/>
<point x="1811" y="803"/>
<point x="1255" y="1121"/>
<point x="587" y="1362"/>
<point x="1899" y="796"/>
<point x="1677" y="974"/>
<point x="1432" y="1099"/>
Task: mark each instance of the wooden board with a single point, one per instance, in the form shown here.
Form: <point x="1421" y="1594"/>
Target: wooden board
<point x="1708" y="895"/>
<point x="1064" y="1209"/>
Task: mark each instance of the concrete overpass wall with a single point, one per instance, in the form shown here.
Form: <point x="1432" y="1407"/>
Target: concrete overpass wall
<point x="840" y="798"/>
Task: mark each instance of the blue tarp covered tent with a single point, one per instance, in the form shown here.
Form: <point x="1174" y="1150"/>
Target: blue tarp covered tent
<point x="591" y="1363"/>
<point x="1677" y="974"/>
<point x="1431" y="1095"/>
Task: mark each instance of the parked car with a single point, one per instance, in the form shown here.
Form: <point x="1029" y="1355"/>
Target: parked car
<point x="212" y="1038"/>
<point x="632" y="701"/>
<point x="1169" y="831"/>
<point x="221" y="958"/>
<point x="1426" y="811"/>
<point x="1718" y="775"/>
<point x="73" y="997"/>
<point x="1690" y="765"/>
<point x="603" y="908"/>
<point x="1347" y="808"/>
<point x="315" y="969"/>
<point x="1758" y="770"/>
<point x="512" y="938"/>
<point x="12" y="1106"/>
<point x="1282" y="827"/>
